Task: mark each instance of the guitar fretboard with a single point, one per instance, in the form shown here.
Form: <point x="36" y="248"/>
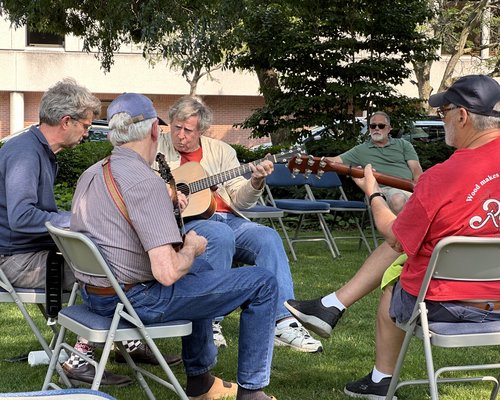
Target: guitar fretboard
<point x="213" y="180"/>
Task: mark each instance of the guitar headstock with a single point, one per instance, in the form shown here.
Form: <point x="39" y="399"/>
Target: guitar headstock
<point x="307" y="165"/>
<point x="163" y="168"/>
<point x="285" y="155"/>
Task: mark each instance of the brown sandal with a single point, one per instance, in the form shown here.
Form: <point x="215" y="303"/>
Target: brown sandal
<point x="219" y="390"/>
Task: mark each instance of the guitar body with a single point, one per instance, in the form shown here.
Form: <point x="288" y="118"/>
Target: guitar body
<point x="192" y="180"/>
<point x="201" y="204"/>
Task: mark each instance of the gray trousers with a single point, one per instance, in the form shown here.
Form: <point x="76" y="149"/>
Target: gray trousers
<point x="28" y="270"/>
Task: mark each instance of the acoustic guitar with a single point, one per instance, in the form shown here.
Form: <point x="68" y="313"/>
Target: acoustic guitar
<point x="315" y="165"/>
<point x="192" y="180"/>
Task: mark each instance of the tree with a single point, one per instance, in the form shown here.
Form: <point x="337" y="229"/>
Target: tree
<point x="318" y="62"/>
<point x="328" y="61"/>
<point x="454" y="26"/>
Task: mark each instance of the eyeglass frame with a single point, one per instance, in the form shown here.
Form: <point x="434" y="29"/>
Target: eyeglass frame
<point x="85" y="126"/>
<point x="441" y="112"/>
<point x="379" y="126"/>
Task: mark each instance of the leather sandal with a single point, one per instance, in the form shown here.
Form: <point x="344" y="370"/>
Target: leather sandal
<point x="219" y="390"/>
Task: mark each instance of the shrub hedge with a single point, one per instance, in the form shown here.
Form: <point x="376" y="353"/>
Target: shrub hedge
<point x="73" y="162"/>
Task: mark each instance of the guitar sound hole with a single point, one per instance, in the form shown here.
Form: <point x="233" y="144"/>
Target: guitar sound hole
<point x="183" y="188"/>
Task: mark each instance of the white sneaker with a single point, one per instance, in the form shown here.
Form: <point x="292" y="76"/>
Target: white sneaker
<point x="219" y="339"/>
<point x="297" y="337"/>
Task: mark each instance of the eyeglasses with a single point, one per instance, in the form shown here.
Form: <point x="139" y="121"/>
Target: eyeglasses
<point x="442" y="111"/>
<point x="380" y="126"/>
<point x="85" y="126"/>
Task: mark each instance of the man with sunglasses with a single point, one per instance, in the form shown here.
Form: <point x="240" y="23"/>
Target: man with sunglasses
<point x="446" y="202"/>
<point x="387" y="155"/>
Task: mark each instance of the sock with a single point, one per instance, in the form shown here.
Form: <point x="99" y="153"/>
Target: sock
<point x="332" y="300"/>
<point x="246" y="394"/>
<point x="75" y="361"/>
<point x="286" y="322"/>
<point x="199" y="384"/>
<point x="377" y="376"/>
<point x="131" y="345"/>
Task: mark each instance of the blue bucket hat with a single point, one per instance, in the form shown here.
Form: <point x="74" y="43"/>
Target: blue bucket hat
<point x="138" y="106"/>
<point x="476" y="93"/>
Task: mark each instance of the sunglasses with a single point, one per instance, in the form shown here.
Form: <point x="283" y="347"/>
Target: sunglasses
<point x="380" y="126"/>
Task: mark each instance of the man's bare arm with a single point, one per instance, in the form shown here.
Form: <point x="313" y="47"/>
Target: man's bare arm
<point x="168" y="266"/>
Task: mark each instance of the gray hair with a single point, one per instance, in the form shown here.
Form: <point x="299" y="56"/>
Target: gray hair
<point x="484" y="122"/>
<point x="383" y="114"/>
<point x="67" y="98"/>
<point x="121" y="131"/>
<point x="189" y="106"/>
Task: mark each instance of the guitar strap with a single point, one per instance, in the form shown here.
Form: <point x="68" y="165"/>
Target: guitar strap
<point x="113" y="189"/>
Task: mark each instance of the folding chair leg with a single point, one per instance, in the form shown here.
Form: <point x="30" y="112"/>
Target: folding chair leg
<point x="330" y="242"/>
<point x="372" y="227"/>
<point x="287" y="238"/>
<point x="399" y="363"/>
<point x="428" y="353"/>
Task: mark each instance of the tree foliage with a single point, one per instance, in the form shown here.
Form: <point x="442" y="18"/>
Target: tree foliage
<point x="331" y="60"/>
<point x="455" y="26"/>
<point x="318" y="62"/>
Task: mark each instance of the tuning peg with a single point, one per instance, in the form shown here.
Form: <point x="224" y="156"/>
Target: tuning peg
<point x="320" y="173"/>
<point x="307" y="173"/>
<point x="295" y="172"/>
<point x="310" y="161"/>
<point x="322" y="162"/>
<point x="298" y="160"/>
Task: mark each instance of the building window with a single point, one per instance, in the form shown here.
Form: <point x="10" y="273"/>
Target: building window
<point x="43" y="39"/>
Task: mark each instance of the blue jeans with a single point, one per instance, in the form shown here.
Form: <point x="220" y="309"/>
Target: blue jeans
<point x="200" y="296"/>
<point x="230" y="236"/>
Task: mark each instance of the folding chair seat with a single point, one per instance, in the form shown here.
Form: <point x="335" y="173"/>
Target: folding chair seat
<point x="84" y="256"/>
<point x="454" y="258"/>
<point x="281" y="177"/>
<point x="330" y="180"/>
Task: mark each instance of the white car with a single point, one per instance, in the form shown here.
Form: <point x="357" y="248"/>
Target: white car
<point x="431" y="130"/>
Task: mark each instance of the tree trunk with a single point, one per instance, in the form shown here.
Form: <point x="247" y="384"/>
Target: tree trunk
<point x="423" y="75"/>
<point x="269" y="84"/>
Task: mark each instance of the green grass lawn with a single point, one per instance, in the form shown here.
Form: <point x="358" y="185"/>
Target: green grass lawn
<point x="347" y="355"/>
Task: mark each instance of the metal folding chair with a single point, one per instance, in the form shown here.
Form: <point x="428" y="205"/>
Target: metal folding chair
<point x="454" y="258"/>
<point x="83" y="256"/>
<point x="281" y="177"/>
<point x="24" y="296"/>
<point x="63" y="394"/>
<point x="330" y="180"/>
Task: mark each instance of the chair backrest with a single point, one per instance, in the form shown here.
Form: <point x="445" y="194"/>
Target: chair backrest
<point x="329" y="180"/>
<point x="83" y="256"/>
<point x="282" y="176"/>
<point x="463" y="258"/>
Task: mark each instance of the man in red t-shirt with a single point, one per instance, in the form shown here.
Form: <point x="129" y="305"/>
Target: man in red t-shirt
<point x="446" y="202"/>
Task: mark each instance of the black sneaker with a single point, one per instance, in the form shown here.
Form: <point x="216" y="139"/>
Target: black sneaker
<point x="315" y="316"/>
<point x="365" y="388"/>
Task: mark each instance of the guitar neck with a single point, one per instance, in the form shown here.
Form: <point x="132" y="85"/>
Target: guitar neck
<point x="225" y="176"/>
<point x="383" y="179"/>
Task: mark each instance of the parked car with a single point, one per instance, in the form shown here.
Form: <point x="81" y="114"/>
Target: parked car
<point x="6" y="138"/>
<point x="319" y="132"/>
<point x="431" y="130"/>
<point x="98" y="132"/>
